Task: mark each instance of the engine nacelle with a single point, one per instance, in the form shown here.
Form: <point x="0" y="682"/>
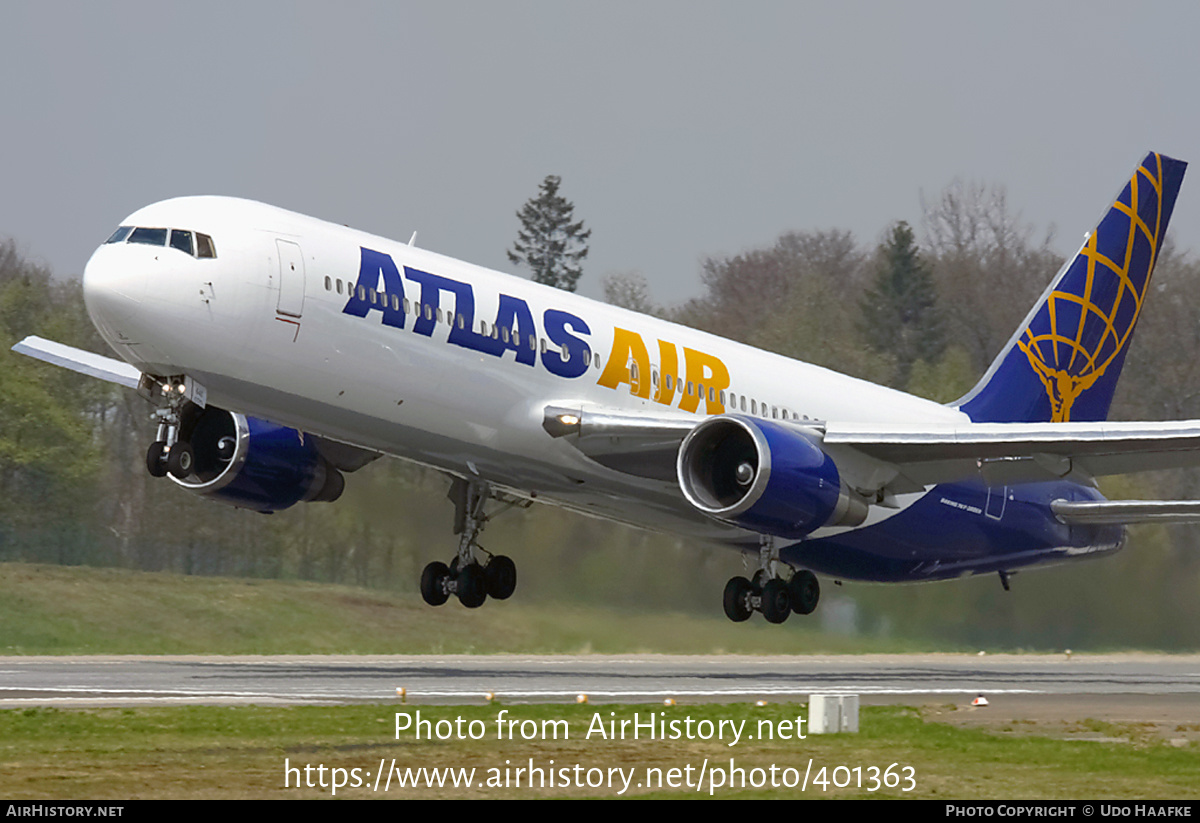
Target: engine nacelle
<point x="764" y="476"/>
<point x="254" y="464"/>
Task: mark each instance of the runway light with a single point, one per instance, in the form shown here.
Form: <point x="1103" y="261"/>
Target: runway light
<point x="402" y="693"/>
<point x="670" y="701"/>
<point x="760" y="703"/>
<point x="489" y="696"/>
<point x="581" y="698"/>
<point x="980" y="701"/>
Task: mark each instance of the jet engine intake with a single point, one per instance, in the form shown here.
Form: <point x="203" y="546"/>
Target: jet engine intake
<point x="766" y="476"/>
<point x="255" y="464"/>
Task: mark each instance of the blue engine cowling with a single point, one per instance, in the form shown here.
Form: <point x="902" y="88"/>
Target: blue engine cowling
<point x="254" y="464"/>
<point x="764" y="476"/>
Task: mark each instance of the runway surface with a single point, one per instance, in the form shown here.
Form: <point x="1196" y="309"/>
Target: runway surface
<point x="93" y="681"/>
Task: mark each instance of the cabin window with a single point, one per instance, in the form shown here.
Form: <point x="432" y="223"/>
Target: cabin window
<point x="462" y="323"/>
<point x="543" y="345"/>
<point x="362" y="293"/>
<point x="504" y="333"/>
<point x="371" y="296"/>
<point x="328" y="283"/>
<point x="689" y="388"/>
<point x="339" y="285"/>
<point x="395" y="303"/>
<point x="597" y="356"/>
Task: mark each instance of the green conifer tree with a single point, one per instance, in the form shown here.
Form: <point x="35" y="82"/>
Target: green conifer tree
<point x="900" y="312"/>
<point x="549" y="243"/>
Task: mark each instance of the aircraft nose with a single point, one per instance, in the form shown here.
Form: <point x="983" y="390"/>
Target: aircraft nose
<point x="112" y="289"/>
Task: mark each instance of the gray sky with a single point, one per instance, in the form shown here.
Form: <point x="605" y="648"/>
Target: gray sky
<point x="680" y="129"/>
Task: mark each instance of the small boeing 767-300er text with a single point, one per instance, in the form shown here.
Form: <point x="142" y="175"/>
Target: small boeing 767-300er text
<point x="281" y="351"/>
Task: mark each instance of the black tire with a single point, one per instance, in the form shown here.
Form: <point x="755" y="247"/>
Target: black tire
<point x="805" y="592"/>
<point x="180" y="460"/>
<point x="155" y="462"/>
<point x="433" y="580"/>
<point x="776" y="602"/>
<point x="737" y="590"/>
<point x="472" y="587"/>
<point x="501" y="577"/>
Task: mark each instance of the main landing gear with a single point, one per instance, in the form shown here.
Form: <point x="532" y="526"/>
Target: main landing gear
<point x="769" y="592"/>
<point x="471" y="581"/>
<point x="169" y="453"/>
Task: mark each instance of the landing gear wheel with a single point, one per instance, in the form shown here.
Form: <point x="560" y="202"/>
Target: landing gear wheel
<point x="501" y="577"/>
<point x="805" y="592"/>
<point x="433" y="583"/>
<point x="776" y="604"/>
<point x="180" y="460"/>
<point x="737" y="594"/>
<point x="472" y="587"/>
<point x="155" y="462"/>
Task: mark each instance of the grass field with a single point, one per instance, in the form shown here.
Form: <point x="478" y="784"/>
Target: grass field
<point x="246" y="752"/>
<point x="77" y="610"/>
<point x="209" y="752"/>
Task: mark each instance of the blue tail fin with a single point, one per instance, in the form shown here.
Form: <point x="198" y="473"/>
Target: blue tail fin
<point x="1064" y="360"/>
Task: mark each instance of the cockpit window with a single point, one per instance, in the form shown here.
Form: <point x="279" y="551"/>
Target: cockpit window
<point x="181" y="240"/>
<point x="120" y="234"/>
<point x="151" y="237"/>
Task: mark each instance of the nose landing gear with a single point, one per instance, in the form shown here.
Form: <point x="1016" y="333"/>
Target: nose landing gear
<point x="170" y="453"/>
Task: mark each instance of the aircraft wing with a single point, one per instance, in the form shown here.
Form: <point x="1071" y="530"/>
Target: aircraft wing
<point x="1005" y="453"/>
<point x="343" y="456"/>
<point x="78" y="360"/>
<point x="908" y="457"/>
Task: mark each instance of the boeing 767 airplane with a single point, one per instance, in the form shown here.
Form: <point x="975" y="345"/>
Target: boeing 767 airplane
<point x="281" y="351"/>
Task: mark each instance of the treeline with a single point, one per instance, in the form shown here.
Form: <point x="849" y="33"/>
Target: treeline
<point x="925" y="309"/>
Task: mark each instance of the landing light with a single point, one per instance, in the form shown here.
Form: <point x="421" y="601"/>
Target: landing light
<point x="569" y="419"/>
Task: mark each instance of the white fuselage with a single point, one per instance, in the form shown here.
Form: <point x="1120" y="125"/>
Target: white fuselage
<point x="264" y="327"/>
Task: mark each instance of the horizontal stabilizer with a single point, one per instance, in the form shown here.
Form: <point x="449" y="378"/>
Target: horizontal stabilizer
<point x="78" y="360"/>
<point x="1125" y="512"/>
